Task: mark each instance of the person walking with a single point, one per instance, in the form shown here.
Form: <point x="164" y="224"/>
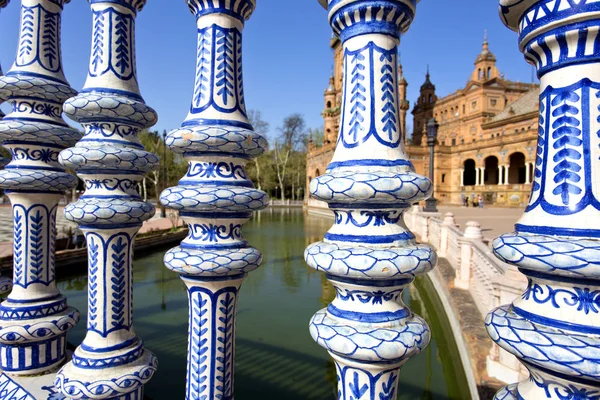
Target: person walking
<point x="480" y="201"/>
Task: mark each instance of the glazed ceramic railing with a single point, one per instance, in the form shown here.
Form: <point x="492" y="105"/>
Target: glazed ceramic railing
<point x="5" y="282"/>
<point x="553" y="327"/>
<point x="369" y="255"/>
<point x="488" y="280"/>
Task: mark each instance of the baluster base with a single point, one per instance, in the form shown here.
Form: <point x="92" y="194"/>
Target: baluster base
<point x="124" y="382"/>
<point x="545" y="384"/>
<point x="28" y="387"/>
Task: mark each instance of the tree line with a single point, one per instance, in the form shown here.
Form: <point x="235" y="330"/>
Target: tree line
<point x="280" y="171"/>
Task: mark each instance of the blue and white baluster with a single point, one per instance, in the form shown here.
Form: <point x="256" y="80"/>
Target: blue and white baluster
<point x="369" y="255"/>
<point x="5" y="282"/>
<point x="554" y="328"/>
<point x="215" y="197"/>
<point x="3" y="3"/>
<point x="35" y="318"/>
<point x="111" y="363"/>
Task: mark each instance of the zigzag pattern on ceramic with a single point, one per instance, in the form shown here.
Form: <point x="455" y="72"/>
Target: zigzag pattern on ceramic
<point x="111" y="362"/>
<point x="369" y="255"/>
<point x="35" y="317"/>
<point x="553" y="327"/>
<point x="215" y="197"/>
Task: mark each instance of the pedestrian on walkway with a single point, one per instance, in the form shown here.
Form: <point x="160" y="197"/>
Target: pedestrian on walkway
<point x="480" y="201"/>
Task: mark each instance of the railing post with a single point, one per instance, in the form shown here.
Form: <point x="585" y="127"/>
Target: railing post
<point x="111" y="362"/>
<point x="448" y="222"/>
<point x="369" y="255"/>
<point x="35" y="318"/>
<point x="554" y="327"/>
<point x="215" y="197"/>
<point x="463" y="274"/>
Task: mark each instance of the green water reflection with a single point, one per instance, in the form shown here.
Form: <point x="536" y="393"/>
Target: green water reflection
<point x="276" y="357"/>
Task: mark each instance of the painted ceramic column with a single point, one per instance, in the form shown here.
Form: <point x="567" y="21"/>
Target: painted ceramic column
<point x="554" y="328"/>
<point x="35" y="318"/>
<point x="5" y="282"/>
<point x="369" y="255"/>
<point x="215" y="197"/>
<point x="111" y="363"/>
<point x="3" y="3"/>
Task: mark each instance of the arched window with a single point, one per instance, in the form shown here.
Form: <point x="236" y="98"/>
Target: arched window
<point x="430" y="98"/>
<point x="469" y="174"/>
<point x="329" y="104"/>
<point x="516" y="170"/>
<point x="489" y="72"/>
<point x="491" y="171"/>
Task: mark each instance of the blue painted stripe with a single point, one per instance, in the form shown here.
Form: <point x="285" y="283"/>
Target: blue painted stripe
<point x="378" y="317"/>
<point x="38" y="120"/>
<point x="125" y="93"/>
<point x="111" y="226"/>
<point x="569" y="378"/>
<point x="234" y="246"/>
<point x="30" y="143"/>
<point x="213" y="278"/>
<point x="369" y="282"/>
<point x="21" y="74"/>
<point x="119" y="346"/>
<point x="217" y="122"/>
<point x="554" y="323"/>
<point x="244" y="184"/>
<point x="124" y="142"/>
<point x="554" y="231"/>
<point x="559" y="278"/>
<point x="369" y="163"/>
<point x="34" y="168"/>
<point x="369" y="206"/>
<point x="215" y="215"/>
<point x="372" y="239"/>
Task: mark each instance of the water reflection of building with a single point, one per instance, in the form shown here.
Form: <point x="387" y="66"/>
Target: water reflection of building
<point x="487" y="135"/>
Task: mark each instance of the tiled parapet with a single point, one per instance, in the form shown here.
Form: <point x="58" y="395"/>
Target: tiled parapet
<point x="35" y="318"/>
<point x="369" y="255"/>
<point x="553" y="328"/>
<point x="111" y="362"/>
<point x="215" y="197"/>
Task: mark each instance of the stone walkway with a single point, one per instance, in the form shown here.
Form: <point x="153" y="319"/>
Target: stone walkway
<point x="494" y="221"/>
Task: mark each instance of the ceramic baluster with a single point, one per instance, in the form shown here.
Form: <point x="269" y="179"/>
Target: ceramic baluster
<point x="5" y="282"/>
<point x="369" y="255"/>
<point x="554" y="327"/>
<point x="111" y="363"/>
<point x="215" y="197"/>
<point x="35" y="318"/>
<point x="3" y="3"/>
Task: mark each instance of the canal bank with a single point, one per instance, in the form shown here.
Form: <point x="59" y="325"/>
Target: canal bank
<point x="276" y="357"/>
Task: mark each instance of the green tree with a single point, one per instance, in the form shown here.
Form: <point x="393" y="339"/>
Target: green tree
<point x="292" y="139"/>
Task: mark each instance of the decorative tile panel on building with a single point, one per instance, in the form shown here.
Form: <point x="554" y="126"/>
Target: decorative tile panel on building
<point x="486" y="141"/>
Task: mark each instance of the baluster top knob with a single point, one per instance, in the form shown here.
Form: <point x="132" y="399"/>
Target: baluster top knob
<point x="133" y="5"/>
<point x="240" y="9"/>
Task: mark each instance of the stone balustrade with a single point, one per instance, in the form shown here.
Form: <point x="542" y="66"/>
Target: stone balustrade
<point x="490" y="281"/>
<point x="369" y="255"/>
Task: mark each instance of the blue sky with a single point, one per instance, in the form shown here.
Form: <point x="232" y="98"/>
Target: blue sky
<point x="287" y="59"/>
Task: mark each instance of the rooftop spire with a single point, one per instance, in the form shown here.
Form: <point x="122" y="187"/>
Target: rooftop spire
<point x="485" y="41"/>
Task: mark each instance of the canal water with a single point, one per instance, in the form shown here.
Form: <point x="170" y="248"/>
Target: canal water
<point x="275" y="356"/>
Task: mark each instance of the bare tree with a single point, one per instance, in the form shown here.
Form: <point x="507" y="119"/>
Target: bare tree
<point x="292" y="136"/>
<point x="262" y="127"/>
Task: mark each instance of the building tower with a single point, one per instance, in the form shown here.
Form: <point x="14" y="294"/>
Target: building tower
<point x="404" y="104"/>
<point x="485" y="64"/>
<point x="330" y="113"/>
<point x="423" y="110"/>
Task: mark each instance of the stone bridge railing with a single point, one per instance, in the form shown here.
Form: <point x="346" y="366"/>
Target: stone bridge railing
<point x="490" y="281"/>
